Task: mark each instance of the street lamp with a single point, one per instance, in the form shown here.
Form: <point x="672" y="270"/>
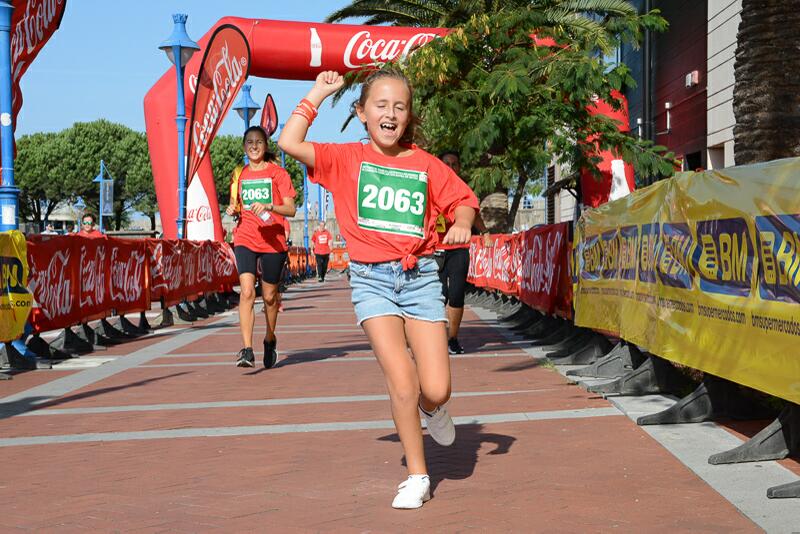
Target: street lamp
<point x="246" y="107"/>
<point x="179" y="49"/>
<point x="9" y="194"/>
<point x="79" y="206"/>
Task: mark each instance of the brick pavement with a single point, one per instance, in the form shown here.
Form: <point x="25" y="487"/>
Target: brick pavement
<point x="533" y="454"/>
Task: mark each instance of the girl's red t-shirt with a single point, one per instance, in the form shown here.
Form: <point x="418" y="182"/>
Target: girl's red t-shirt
<point x="269" y="185"/>
<point x="386" y="206"/>
<point x="322" y="242"/>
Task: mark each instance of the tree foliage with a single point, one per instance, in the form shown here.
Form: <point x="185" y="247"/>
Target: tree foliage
<point x="39" y="170"/>
<point x="511" y="102"/>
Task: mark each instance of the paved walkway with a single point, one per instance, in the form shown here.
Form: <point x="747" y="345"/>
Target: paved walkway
<point x="169" y="436"/>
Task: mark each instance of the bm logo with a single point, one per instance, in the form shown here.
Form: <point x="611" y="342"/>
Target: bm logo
<point x="724" y="257"/>
<point x="13" y="276"/>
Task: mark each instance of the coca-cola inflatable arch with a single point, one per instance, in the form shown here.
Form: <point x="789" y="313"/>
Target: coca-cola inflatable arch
<point x="278" y="49"/>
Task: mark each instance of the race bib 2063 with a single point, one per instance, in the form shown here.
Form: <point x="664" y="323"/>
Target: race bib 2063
<point x="257" y="190"/>
<point x="392" y="200"/>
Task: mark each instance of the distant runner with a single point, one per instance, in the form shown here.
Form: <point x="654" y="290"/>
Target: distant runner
<point x="321" y="247"/>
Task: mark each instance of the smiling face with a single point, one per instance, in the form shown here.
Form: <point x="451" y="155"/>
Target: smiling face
<point x="255" y="146"/>
<point x="386" y="113"/>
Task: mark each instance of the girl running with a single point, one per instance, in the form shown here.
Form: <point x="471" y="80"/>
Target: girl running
<point x="386" y="193"/>
<point x="262" y="195"/>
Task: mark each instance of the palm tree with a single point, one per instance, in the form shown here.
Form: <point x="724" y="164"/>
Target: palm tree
<point x="766" y="95"/>
<point x="429" y="13"/>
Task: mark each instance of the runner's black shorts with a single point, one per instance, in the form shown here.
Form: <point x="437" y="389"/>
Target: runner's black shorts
<point x="271" y="263"/>
<point x="453" y="268"/>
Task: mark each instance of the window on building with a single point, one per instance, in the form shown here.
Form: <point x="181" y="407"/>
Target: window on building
<point x="527" y="202"/>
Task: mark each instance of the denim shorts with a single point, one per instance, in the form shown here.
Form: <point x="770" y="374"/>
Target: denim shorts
<point x="385" y="289"/>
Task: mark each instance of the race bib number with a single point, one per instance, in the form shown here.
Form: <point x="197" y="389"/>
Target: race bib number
<point x="323" y="239"/>
<point x="392" y="200"/>
<point x="258" y="190"/>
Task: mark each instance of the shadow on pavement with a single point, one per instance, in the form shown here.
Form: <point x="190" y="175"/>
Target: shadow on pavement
<point x="28" y="404"/>
<point x="458" y="461"/>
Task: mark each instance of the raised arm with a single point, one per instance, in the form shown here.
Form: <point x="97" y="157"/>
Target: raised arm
<point x="293" y="136"/>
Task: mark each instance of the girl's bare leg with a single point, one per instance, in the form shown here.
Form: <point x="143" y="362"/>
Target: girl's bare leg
<point x="247" y="298"/>
<point x="388" y="340"/>
<point x="428" y="342"/>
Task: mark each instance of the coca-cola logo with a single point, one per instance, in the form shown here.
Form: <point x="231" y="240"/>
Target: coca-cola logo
<point x="34" y="28"/>
<point x="199" y="214"/>
<point x="92" y="276"/>
<point x="52" y="287"/>
<point x="362" y="49"/>
<point x="540" y="269"/>
<point x="227" y="73"/>
<point x="127" y="276"/>
<point x="224" y="261"/>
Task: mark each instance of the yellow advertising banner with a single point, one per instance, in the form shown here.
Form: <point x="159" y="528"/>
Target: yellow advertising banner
<point x="702" y="269"/>
<point x="15" y="299"/>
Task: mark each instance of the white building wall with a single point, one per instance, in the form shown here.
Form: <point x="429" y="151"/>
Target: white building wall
<point x="723" y="24"/>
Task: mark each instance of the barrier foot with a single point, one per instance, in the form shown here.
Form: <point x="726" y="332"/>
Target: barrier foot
<point x="11" y="357"/>
<point x="42" y="349"/>
<point x="70" y="342"/>
<point x="569" y="344"/>
<point x="542" y="327"/>
<point x="5" y="376"/>
<point x="654" y="376"/>
<point x="565" y="330"/>
<point x="129" y="328"/>
<point x="203" y="307"/>
<point x="109" y="331"/>
<point x="143" y="324"/>
<point x="784" y="491"/>
<point x="713" y="399"/>
<point x="213" y="303"/>
<point x="595" y="348"/>
<point x="622" y="359"/>
<point x="526" y="322"/>
<point x="184" y="314"/>
<point x="195" y="309"/>
<point x="164" y="320"/>
<point x="775" y="442"/>
<point x="522" y="314"/>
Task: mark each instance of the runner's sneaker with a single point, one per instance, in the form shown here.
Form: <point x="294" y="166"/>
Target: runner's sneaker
<point x="440" y="425"/>
<point x="454" y="347"/>
<point x="320" y="280"/>
<point x="246" y="358"/>
<point x="412" y="492"/>
<point x="270" y="354"/>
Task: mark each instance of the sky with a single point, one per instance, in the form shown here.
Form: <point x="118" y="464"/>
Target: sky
<point x="105" y="57"/>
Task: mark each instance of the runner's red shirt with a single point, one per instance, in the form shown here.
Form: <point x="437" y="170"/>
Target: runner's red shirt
<point x="91" y="233"/>
<point x="322" y="242"/>
<point x="386" y="206"/>
<point x="251" y="231"/>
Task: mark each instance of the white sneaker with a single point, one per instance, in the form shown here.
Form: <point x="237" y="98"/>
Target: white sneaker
<point x="440" y="426"/>
<point x="412" y="492"/>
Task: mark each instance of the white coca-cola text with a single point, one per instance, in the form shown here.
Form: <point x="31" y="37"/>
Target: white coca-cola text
<point x="52" y="287"/>
<point x="93" y="277"/>
<point x="227" y="75"/>
<point x="34" y="28"/>
<point x="362" y="49"/>
<point x="127" y="276"/>
<point x="199" y="214"/>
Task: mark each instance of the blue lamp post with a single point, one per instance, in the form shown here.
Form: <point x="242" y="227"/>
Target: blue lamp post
<point x="246" y="107"/>
<point x="79" y="206"/>
<point x="106" y="193"/>
<point x="9" y="194"/>
<point x="179" y="49"/>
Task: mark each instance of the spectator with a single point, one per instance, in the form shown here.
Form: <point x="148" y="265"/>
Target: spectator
<point x="87" y="226"/>
<point x="49" y="230"/>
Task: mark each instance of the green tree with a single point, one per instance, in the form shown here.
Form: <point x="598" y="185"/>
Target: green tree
<point x="40" y="170"/>
<point x="123" y="153"/>
<point x="227" y="152"/>
<point x="430" y="13"/>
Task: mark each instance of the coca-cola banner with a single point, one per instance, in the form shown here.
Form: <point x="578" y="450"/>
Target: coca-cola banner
<point x="186" y="269"/>
<point x="33" y="22"/>
<point x="280" y="49"/>
<point x="495" y="266"/>
<point x="544" y="279"/>
<point x="222" y="73"/>
<point x="76" y="279"/>
<point x="532" y="266"/>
